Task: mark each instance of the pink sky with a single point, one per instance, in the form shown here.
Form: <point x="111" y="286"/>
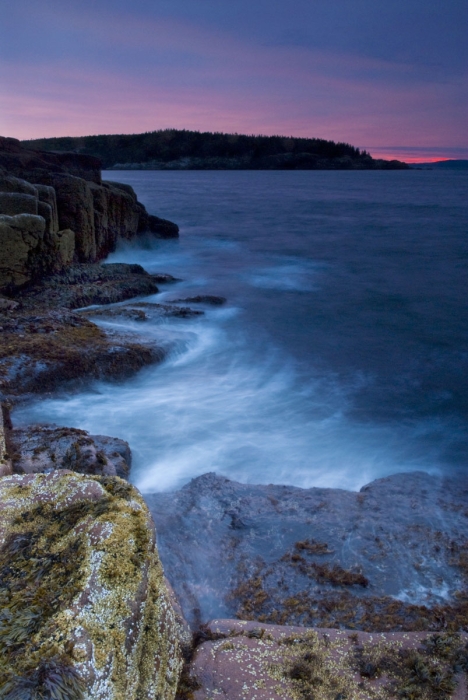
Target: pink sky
<point x="70" y="70"/>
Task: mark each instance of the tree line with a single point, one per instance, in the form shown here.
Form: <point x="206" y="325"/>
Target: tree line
<point x="172" y="145"/>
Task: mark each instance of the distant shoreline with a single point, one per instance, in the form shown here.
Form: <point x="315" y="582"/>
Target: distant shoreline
<point x="450" y="164"/>
<point x="173" y="149"/>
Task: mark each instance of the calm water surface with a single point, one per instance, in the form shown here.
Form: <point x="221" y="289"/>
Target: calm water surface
<point x="342" y="353"/>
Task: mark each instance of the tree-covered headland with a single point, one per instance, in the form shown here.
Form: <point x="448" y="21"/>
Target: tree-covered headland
<point x="194" y="150"/>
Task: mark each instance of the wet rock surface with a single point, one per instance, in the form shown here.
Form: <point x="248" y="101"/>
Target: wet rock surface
<point x="143" y="311"/>
<point x="46" y="448"/>
<point x="392" y="557"/>
<point x="164" y="278"/>
<point x="84" y="285"/>
<point x="267" y="662"/>
<point x="47" y="344"/>
<point x="43" y="350"/>
<point x="84" y="610"/>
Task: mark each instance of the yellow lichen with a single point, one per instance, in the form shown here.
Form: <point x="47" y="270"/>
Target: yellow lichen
<point x="81" y="587"/>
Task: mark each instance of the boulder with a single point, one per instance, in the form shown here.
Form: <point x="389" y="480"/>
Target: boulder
<point x="83" y="285"/>
<point x="244" y="660"/>
<point x="84" y="610"/>
<point x="45" y="448"/>
<point x="21" y="237"/>
<point x="121" y="186"/>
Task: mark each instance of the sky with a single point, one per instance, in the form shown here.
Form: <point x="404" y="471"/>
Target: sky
<point x="390" y="76"/>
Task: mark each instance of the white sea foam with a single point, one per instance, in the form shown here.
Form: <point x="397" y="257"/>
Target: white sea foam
<point x="287" y="275"/>
<point x="340" y="355"/>
<point x="425" y="595"/>
<point x="221" y="402"/>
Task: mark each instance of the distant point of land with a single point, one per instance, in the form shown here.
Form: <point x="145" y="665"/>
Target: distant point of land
<point x="443" y="165"/>
<point x="173" y="149"/>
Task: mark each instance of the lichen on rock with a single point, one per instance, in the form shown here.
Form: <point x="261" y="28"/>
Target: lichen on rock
<point x="84" y="611"/>
<point x="240" y="660"/>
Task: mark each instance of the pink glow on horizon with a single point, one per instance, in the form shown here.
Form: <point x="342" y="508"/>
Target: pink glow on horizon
<point x="425" y="156"/>
<point x="227" y="85"/>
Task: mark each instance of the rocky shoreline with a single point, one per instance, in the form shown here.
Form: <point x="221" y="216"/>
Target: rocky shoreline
<point x="337" y="594"/>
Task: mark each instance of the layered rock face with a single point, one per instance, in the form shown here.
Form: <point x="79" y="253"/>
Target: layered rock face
<point x="71" y="214"/>
<point x="84" y="611"/>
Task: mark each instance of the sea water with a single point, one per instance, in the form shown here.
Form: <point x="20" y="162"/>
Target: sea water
<point x="341" y="355"/>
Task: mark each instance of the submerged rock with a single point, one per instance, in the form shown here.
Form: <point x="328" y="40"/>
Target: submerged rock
<point x="393" y="556"/>
<point x="201" y="299"/>
<point x="84" y="610"/>
<point x="164" y="278"/>
<point x="143" y="311"/>
<point x="242" y="660"/>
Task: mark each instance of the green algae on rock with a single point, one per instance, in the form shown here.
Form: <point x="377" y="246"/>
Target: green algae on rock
<point x="84" y="611"/>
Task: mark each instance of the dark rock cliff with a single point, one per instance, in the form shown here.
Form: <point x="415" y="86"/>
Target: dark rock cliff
<point x="55" y="209"/>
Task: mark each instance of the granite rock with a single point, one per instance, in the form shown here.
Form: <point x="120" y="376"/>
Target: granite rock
<point x="70" y="194"/>
<point x="85" y="613"/>
<point x="247" y="661"/>
<point x="9" y="183"/>
<point x="75" y="210"/>
<point x="201" y="299"/>
<point x="393" y="556"/>
<point x="81" y="285"/>
<point x="21" y="162"/>
<point x="116" y="216"/>
<point x="48" y="205"/>
<point x="21" y="239"/>
<point x="39" y="449"/>
<point x="13" y="203"/>
<point x="43" y="350"/>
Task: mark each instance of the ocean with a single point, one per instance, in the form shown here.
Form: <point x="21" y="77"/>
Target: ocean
<point x="341" y="354"/>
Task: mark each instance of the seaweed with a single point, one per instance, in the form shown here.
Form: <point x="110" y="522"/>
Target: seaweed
<point x="307" y="665"/>
<point x="55" y="679"/>
<point x="313" y="547"/>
